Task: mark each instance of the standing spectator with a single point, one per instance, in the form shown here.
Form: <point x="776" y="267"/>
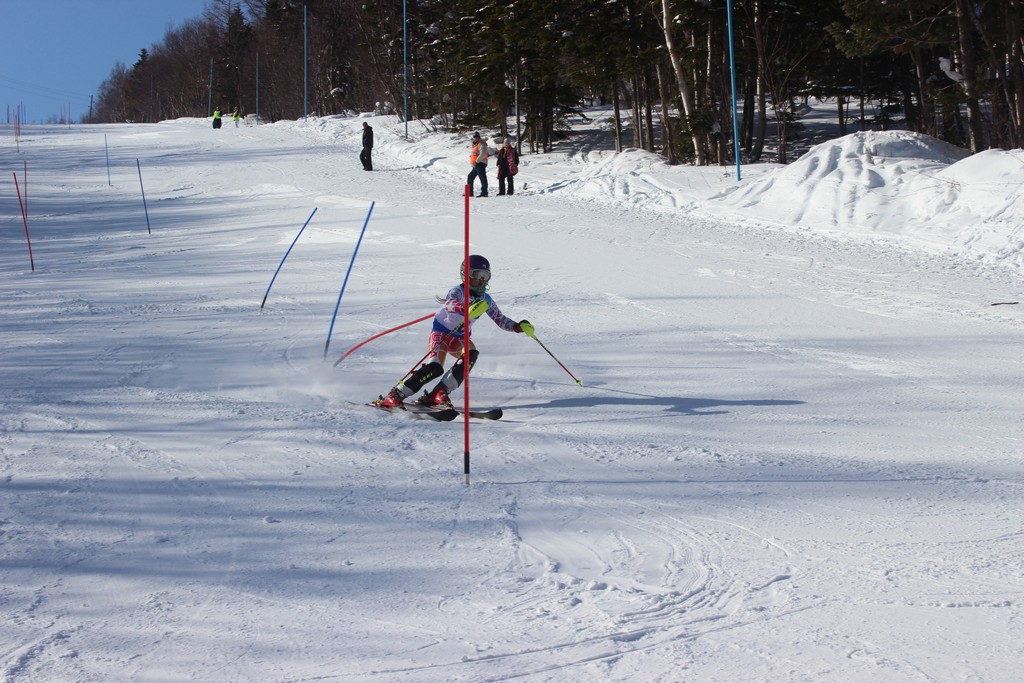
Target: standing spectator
<point x="216" y="118"/>
<point x="236" y="117"/>
<point x="508" y="166"/>
<point x="364" y="156"/>
<point x="478" y="156"/>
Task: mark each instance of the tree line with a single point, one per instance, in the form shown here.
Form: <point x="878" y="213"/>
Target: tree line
<point x="953" y="69"/>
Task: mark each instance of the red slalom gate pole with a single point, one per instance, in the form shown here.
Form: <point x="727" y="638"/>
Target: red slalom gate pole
<point x="465" y="340"/>
<point x="24" y="219"/>
<point x="381" y="334"/>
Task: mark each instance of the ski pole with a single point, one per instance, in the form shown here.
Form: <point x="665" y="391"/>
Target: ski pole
<point x="528" y="329"/>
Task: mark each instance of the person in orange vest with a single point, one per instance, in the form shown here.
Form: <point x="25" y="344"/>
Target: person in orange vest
<point x="478" y="156"/>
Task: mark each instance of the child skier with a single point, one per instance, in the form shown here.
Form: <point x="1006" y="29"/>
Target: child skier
<point x="446" y="337"/>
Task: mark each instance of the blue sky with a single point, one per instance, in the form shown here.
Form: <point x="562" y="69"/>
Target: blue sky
<point x="57" y="52"/>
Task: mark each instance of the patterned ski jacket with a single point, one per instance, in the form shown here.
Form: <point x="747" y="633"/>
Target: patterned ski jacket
<point x="452" y="312"/>
<point x="508" y="161"/>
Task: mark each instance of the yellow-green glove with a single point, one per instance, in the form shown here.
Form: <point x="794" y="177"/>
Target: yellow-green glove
<point x="478" y="308"/>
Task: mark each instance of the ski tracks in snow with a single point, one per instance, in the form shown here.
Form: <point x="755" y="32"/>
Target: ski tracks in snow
<point x="593" y="586"/>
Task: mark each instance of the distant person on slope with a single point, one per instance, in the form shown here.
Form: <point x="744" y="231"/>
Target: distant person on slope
<point x="478" y="156"/>
<point x="216" y="118"/>
<point x="446" y="337"/>
<point x="236" y="117"/>
<point x="508" y="166"/>
<point x="364" y="156"/>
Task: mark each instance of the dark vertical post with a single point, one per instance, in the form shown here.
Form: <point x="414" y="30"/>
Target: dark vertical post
<point x="305" y="64"/>
<point x="145" y="208"/>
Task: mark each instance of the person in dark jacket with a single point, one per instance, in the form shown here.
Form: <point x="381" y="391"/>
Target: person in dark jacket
<point x="364" y="156"/>
<point x="508" y="166"/>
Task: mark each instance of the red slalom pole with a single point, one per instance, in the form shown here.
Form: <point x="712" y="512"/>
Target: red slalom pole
<point x="24" y="219"/>
<point x="465" y="340"/>
<point x="381" y="334"/>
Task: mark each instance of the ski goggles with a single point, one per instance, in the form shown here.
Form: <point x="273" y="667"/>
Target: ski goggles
<point x="479" y="275"/>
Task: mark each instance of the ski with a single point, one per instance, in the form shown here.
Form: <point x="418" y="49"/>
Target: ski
<point x="486" y="414"/>
<point x="489" y="414"/>
<point x="420" y="412"/>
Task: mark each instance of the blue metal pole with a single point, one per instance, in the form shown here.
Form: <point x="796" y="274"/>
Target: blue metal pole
<point x="106" y="151"/>
<point x="732" y="71"/>
<point x="327" y="344"/>
<point x="285" y="256"/>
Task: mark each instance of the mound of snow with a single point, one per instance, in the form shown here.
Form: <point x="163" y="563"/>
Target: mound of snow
<point x="985" y="200"/>
<point x="850" y="182"/>
<point x="897" y="183"/>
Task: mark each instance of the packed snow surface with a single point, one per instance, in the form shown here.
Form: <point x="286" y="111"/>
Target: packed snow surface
<point x="795" y="453"/>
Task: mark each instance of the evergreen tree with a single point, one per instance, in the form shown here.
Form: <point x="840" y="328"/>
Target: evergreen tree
<point x="527" y="65"/>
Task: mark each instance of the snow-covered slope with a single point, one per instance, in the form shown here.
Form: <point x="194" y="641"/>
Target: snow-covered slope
<point x="795" y="455"/>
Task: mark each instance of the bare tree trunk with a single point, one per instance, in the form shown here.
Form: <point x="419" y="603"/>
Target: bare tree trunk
<point x="968" y="70"/>
<point x="681" y="83"/>
<point x="926" y="114"/>
<point x="618" y="116"/>
<point x="747" y="124"/>
<point x="768" y="76"/>
<point x="782" y="127"/>
<point x="757" y="148"/>
<point x="668" y="144"/>
<point x="648" y="112"/>
<point x="634" y="113"/>
<point x="1007" y="69"/>
<point x="1015" y="47"/>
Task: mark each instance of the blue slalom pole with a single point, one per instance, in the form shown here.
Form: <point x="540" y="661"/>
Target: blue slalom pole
<point x="327" y="344"/>
<point x="285" y="256"/>
<point x="106" y="151"/>
<point x="145" y="208"/>
<point x="732" y="75"/>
